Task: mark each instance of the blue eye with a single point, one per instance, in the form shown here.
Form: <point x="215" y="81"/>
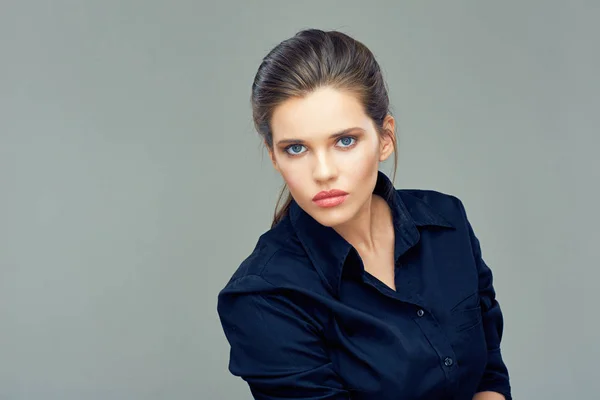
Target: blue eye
<point x="347" y="139"/>
<point x="298" y="147"/>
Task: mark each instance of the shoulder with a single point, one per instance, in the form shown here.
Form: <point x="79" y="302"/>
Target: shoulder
<point x="278" y="261"/>
<point x="277" y="279"/>
<point x="447" y="205"/>
<point x="443" y="202"/>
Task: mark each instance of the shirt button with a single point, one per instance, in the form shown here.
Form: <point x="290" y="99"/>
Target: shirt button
<point x="420" y="313"/>
<point x="448" y="362"/>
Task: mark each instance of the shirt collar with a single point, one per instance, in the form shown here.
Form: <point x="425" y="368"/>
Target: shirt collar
<point x="328" y="250"/>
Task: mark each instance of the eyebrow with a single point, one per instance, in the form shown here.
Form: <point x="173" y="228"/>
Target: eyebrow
<point x="332" y="136"/>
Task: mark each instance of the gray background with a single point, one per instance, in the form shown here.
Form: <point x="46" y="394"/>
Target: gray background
<point x="133" y="184"/>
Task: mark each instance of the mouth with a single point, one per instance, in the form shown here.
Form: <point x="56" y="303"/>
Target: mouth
<point x="330" y="198"/>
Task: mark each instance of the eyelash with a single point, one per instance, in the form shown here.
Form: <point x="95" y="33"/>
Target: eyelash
<point x="298" y="144"/>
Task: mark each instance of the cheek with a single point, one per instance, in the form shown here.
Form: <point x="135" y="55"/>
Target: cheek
<point x="293" y="177"/>
<point x="363" y="163"/>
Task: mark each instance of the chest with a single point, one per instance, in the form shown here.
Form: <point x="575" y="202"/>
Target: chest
<point x="390" y="345"/>
<point x="381" y="266"/>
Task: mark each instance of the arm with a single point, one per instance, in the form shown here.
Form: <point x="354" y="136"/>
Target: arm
<point x="276" y="349"/>
<point x="488" y="396"/>
<point x="495" y="382"/>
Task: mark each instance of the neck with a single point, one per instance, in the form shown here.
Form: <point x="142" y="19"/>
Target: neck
<point x="367" y="231"/>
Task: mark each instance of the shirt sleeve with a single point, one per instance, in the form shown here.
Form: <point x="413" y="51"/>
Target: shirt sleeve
<point x="495" y="377"/>
<point x="276" y="348"/>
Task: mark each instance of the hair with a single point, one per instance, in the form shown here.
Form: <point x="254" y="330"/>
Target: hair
<point x="311" y="59"/>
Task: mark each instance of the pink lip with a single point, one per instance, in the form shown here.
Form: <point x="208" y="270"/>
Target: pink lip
<point x="331" y="201"/>
<point x="330" y="198"/>
<point x="329" y="193"/>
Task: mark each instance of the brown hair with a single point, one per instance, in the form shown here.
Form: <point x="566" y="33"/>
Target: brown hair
<point x="311" y="59"/>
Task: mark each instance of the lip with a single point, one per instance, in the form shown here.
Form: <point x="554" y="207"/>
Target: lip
<point x="330" y="198"/>
<point x="329" y="193"/>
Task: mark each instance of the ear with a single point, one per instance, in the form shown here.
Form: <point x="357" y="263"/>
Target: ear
<point x="272" y="157"/>
<point x="386" y="143"/>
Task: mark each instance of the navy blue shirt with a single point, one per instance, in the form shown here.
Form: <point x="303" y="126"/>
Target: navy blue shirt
<point x="305" y="320"/>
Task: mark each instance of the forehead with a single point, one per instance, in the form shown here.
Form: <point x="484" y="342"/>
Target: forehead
<point x="318" y="114"/>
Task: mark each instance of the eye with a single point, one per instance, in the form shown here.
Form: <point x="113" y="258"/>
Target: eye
<point x="295" y="147"/>
<point x="347" y="141"/>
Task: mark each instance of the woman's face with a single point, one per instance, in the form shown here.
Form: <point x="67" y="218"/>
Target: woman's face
<point x="310" y="160"/>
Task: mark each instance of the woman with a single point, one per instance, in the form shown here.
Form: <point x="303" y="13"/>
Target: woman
<point x="359" y="290"/>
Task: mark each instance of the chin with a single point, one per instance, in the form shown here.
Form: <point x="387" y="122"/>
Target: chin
<point x="331" y="217"/>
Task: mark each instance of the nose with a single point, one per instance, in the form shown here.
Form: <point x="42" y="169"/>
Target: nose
<point x="325" y="168"/>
